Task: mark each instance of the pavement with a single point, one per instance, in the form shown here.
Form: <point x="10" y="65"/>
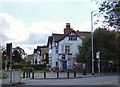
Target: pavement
<point x="96" y="79"/>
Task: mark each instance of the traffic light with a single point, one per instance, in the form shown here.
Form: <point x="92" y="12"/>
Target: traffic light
<point x="4" y="55"/>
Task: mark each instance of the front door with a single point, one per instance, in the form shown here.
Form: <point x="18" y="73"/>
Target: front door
<point x="64" y="65"/>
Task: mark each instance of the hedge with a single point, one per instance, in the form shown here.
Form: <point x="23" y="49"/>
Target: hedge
<point x="36" y="67"/>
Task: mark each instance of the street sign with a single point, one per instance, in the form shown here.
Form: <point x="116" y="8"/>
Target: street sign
<point x="98" y="55"/>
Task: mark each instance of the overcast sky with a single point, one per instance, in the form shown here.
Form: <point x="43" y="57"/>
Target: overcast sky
<point x="28" y="23"/>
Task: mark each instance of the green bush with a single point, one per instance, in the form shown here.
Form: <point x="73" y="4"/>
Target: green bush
<point x="28" y="69"/>
<point x="5" y="75"/>
<point x="36" y="67"/>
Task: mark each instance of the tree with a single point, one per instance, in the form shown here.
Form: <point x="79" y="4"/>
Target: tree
<point x="111" y="13"/>
<point x="0" y="59"/>
<point x="84" y="54"/>
<point x="105" y="42"/>
<point x="18" y="54"/>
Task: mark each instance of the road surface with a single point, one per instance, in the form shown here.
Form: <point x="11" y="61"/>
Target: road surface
<point x="99" y="80"/>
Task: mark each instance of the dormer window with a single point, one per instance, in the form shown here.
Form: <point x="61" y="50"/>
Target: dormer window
<point x="72" y="38"/>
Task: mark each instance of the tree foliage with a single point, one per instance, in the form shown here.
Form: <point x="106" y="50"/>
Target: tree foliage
<point x="0" y="59"/>
<point x="105" y="41"/>
<point x="18" y="54"/>
<point x="111" y="13"/>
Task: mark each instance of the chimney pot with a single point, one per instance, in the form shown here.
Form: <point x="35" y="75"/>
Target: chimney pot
<point x="67" y="25"/>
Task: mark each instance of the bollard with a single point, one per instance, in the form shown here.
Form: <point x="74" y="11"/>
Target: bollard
<point x="84" y="72"/>
<point x="23" y="74"/>
<point x="74" y="73"/>
<point x="29" y="74"/>
<point x="68" y="73"/>
<point x="84" y="69"/>
<point x="44" y="74"/>
<point x="57" y="74"/>
<point x="32" y="75"/>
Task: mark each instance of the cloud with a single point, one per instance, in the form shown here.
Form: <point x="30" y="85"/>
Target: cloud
<point x="12" y="27"/>
<point x="45" y="1"/>
<point x="29" y="37"/>
<point x="36" y="38"/>
<point x="47" y="27"/>
<point x="114" y="0"/>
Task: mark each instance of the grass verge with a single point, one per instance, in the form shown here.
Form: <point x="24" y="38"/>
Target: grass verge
<point x="41" y="71"/>
<point x="13" y="84"/>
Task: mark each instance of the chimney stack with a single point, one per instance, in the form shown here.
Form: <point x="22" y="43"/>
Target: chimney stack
<point x="68" y="28"/>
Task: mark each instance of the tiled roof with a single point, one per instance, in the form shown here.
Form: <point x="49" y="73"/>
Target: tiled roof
<point x="30" y="57"/>
<point x="43" y="49"/>
<point x="82" y="34"/>
<point x="67" y="30"/>
<point x="57" y="37"/>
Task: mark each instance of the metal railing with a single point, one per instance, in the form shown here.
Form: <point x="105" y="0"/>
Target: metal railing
<point x="6" y="77"/>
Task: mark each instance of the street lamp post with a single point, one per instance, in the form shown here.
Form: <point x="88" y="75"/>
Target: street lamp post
<point x="92" y="42"/>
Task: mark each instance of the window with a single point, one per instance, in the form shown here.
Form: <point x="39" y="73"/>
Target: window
<point x="63" y="56"/>
<point x="50" y="46"/>
<point x="56" y="50"/>
<point x="56" y="44"/>
<point x="73" y="38"/>
<point x="56" y="63"/>
<point x="67" y="49"/>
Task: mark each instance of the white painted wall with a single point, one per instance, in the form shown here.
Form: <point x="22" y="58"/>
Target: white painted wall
<point x="65" y="41"/>
<point x="73" y="45"/>
<point x="54" y="55"/>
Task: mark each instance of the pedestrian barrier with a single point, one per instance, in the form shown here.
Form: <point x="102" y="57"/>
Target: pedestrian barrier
<point x="27" y="71"/>
<point x="57" y="74"/>
<point x="11" y="76"/>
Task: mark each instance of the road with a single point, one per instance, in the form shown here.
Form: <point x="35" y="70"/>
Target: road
<point x="101" y="80"/>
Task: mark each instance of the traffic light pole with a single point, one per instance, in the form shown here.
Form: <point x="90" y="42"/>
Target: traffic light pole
<point x="10" y="62"/>
<point x="9" y="56"/>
